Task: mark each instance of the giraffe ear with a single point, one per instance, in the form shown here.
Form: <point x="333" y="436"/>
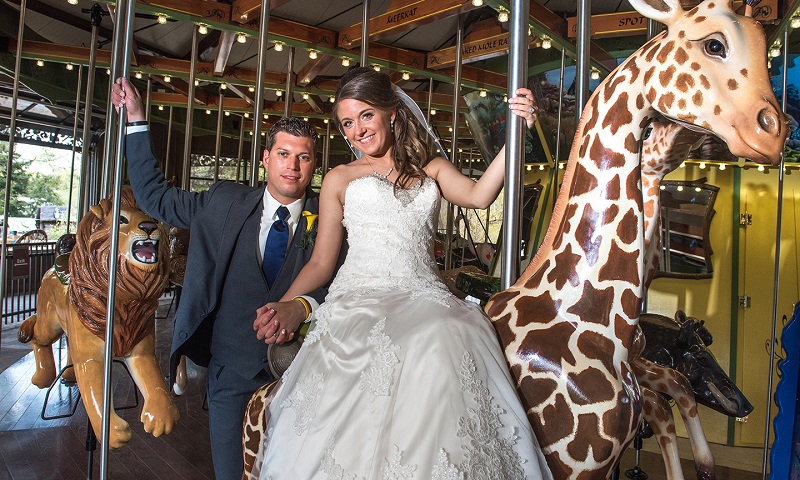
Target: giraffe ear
<point x="663" y="11"/>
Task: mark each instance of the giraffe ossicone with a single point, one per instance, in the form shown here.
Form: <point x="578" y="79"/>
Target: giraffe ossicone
<point x="568" y="324"/>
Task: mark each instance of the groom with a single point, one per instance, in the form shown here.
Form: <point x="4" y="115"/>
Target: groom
<point x="239" y="238"/>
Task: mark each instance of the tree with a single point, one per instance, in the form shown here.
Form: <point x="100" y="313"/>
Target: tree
<point x="29" y="190"/>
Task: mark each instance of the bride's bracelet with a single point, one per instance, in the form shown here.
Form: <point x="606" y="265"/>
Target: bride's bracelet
<point x="305" y="305"/>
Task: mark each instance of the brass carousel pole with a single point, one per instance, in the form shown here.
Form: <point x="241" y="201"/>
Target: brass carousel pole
<point x="10" y="161"/>
<point x="187" y="139"/>
<point x="289" y="93"/>
<point x="123" y="33"/>
<point x="515" y="143"/>
<point x="263" y="31"/>
<point x="74" y="144"/>
<point x="448" y="242"/>
<point x="86" y="181"/>
<point x="218" y="145"/>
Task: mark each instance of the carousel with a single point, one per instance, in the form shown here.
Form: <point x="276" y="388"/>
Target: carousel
<point x="639" y="268"/>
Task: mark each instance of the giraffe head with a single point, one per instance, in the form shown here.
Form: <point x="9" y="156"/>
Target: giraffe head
<point x="710" y="74"/>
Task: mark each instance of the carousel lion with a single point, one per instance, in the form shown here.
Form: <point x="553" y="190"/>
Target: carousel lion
<point x="78" y="307"/>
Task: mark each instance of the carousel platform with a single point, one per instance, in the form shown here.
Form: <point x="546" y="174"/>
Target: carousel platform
<point x="35" y="449"/>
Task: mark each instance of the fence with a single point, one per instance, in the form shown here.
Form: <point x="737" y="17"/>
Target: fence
<point x="25" y="265"/>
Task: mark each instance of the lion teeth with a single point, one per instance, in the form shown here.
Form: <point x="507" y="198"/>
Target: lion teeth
<point x="145" y="251"/>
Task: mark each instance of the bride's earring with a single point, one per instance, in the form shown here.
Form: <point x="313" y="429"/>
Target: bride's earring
<point x="392" y="126"/>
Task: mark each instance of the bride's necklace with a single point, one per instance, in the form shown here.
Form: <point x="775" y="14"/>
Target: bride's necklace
<point x="385" y="177"/>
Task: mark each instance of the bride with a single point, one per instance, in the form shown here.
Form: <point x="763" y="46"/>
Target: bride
<point x="399" y="379"/>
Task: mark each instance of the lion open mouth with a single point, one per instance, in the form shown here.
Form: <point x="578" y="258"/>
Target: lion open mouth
<point x="145" y="251"/>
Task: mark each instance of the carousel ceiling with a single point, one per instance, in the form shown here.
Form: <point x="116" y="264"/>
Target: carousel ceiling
<point x="413" y="40"/>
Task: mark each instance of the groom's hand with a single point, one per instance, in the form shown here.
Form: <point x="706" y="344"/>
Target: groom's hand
<point x="277" y="322"/>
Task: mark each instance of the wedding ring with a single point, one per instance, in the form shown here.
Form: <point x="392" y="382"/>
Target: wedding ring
<point x="531" y="110"/>
<point x="275" y="335"/>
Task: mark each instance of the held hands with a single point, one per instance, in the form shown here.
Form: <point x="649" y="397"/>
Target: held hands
<point x="524" y="106"/>
<point x="276" y="322"/>
<point x="125" y="94"/>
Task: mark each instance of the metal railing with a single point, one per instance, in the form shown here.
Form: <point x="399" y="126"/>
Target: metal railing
<point x="26" y="265"/>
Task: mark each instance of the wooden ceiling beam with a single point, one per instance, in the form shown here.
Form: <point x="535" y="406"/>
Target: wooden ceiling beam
<point x="486" y="41"/>
<point x="402" y="16"/>
<point x="243" y="11"/>
<point x="312" y="68"/>
<point x="223" y="52"/>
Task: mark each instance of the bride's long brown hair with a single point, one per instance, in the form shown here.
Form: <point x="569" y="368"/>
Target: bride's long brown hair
<point x="411" y="150"/>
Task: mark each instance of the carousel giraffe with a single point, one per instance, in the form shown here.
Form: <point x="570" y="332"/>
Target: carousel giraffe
<point x="568" y="324"/>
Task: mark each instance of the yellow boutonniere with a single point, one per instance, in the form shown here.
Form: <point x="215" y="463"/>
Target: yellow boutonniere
<point x="309" y="235"/>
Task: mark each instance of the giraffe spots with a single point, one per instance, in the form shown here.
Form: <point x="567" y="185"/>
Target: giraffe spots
<point x="619" y="114"/>
<point x="584" y="181"/>
<point x="634" y="69"/>
<point x="628" y="228"/>
<point x="651" y="95"/>
<point x="649" y="74"/>
<point x="613" y="190"/>
<point x="743" y="72"/>
<point x="706" y="125"/>
<point x="639" y="101"/>
<point x="545" y="350"/>
<point x="733" y="84"/>
<point x="590" y="385"/>
<point x="536" y="278"/>
<point x="586" y="438"/>
<point x="682" y="34"/>
<point x="593" y="119"/>
<point x="666" y="101"/>
<point x="699" y="19"/>
<point x="564" y="227"/>
<point x="691" y="13"/>
<point x="651" y="52"/>
<point x="584" y="146"/>
<point x="631" y="144"/>
<point x="697" y="99"/>
<point x="621" y="421"/>
<point x="695" y="66"/>
<point x="557" y="417"/>
<point x="663" y="55"/>
<point x="717" y="109"/>
<point x="534" y="392"/>
<point x="631" y="306"/>
<point x="632" y="187"/>
<point x="583" y="234"/>
<point x="595" y="305"/>
<point x="611" y="87"/>
<point x="665" y="77"/>
<point x="704" y="82"/>
<point x="621" y="265"/>
<point x="565" y="269"/>
<point x="606" y="158"/>
<point x="681" y="56"/>
<point x="499" y="302"/>
<point x="622" y="330"/>
<point x="597" y="347"/>
<point x="687" y="117"/>
<point x="504" y="329"/>
<point x="682" y="104"/>
<point x="684" y="82"/>
<point x="555" y="464"/>
<point x="540" y="309"/>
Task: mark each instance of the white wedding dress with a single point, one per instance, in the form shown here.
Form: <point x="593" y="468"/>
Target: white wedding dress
<point x="399" y="379"/>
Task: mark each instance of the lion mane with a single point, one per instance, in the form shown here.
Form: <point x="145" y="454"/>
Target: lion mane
<point x="137" y="290"/>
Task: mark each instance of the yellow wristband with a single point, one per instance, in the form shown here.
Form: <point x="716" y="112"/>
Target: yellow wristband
<point x="305" y="304"/>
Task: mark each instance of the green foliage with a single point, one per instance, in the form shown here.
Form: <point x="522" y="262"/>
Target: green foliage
<point x="32" y="189"/>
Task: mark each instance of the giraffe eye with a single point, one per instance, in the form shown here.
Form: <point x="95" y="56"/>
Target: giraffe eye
<point x="715" y="48"/>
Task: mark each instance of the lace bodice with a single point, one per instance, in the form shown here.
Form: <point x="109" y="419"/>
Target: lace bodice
<point x="390" y="239"/>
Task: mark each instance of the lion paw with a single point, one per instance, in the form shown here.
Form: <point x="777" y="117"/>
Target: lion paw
<point x="43" y="377"/>
<point x="119" y="433"/>
<point x="159" y="415"/>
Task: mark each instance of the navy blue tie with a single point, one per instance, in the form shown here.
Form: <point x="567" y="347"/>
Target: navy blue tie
<point x="275" y="248"/>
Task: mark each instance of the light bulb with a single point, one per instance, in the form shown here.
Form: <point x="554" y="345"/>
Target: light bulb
<point x="546" y="43"/>
<point x="761" y="168"/>
<point x="227" y="113"/>
<point x="662" y="187"/>
<point x="482" y="93"/>
<point x="305" y="95"/>
<point x="196" y="82"/>
<point x="167" y="78"/>
<point x="450" y="129"/>
<point x="162" y="19"/>
<point x="406" y="76"/>
<point x="161" y="107"/>
<point x="679" y="188"/>
<point x="266" y="116"/>
<point x="138" y="75"/>
<point x="683" y="164"/>
<point x="698" y="189"/>
<point x="324" y="120"/>
<point x="331" y="136"/>
<point x="377" y="68"/>
<point x="72" y="2"/>
<point x="332" y="99"/>
<point x="505" y="98"/>
<point x="251" y="89"/>
<point x="775" y="51"/>
<point x="433" y="111"/>
<point x="541" y="167"/>
<point x="722" y="166"/>
<point x="278" y="47"/>
<point x="502" y="16"/>
<point x="529" y="167"/>
<point x="345" y="62"/>
<point x="246" y="115"/>
<point x="477" y="3"/>
<point x="305" y="119"/>
<point x="40" y="63"/>
<point x="278" y="93"/>
<point x="208" y="111"/>
<point x="702" y="165"/>
<point x="108" y="71"/>
<point x="241" y="37"/>
<point x="795" y="22"/>
<point x="561" y="166"/>
<point x="312" y="54"/>
<point x="223" y="86"/>
<point x="202" y="29"/>
<point x="70" y="66"/>
<point x="595" y="74"/>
